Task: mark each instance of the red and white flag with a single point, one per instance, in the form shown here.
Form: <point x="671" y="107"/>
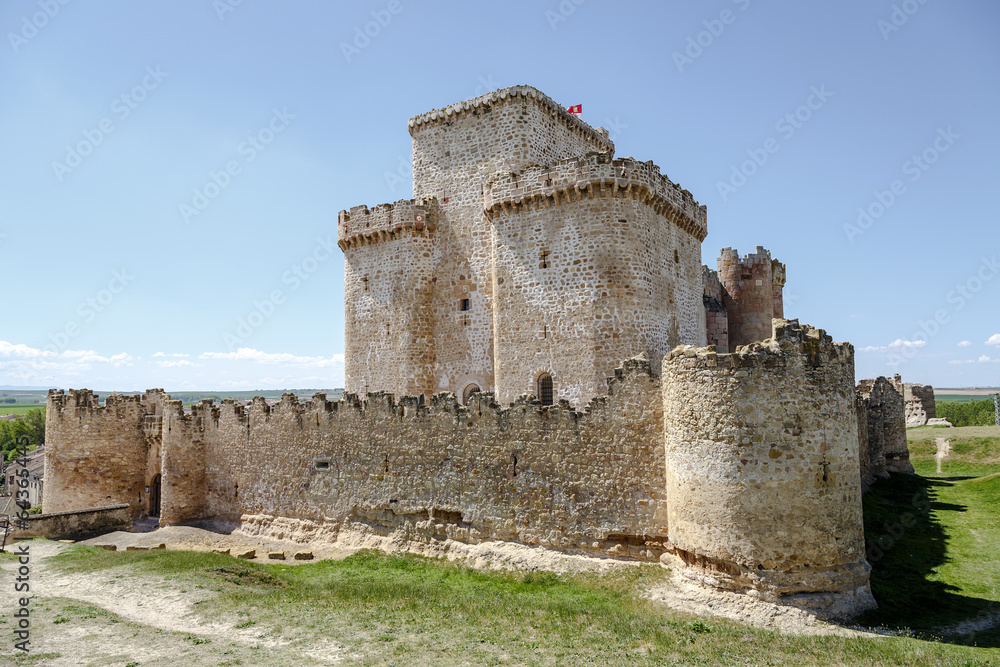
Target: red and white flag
<point x="576" y="108"/>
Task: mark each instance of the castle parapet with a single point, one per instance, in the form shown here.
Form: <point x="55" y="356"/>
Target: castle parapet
<point x="526" y="93"/>
<point x="361" y="225"/>
<point x="596" y="174"/>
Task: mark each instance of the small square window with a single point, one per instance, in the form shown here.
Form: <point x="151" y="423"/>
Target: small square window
<point x="463" y="304"/>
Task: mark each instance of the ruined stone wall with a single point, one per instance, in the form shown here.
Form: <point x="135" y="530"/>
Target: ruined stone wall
<point x="872" y="463"/>
<point x="887" y="446"/>
<point x="554" y="477"/>
<point x="590" y="268"/>
<point x="777" y="288"/>
<point x="95" y="455"/>
<point x="389" y="259"/>
<point x="763" y="483"/>
<point x="918" y="400"/>
<point x="716" y="317"/>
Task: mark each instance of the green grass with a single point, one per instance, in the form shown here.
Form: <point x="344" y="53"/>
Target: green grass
<point x="19" y="408"/>
<point x="933" y="537"/>
<point x="412" y="610"/>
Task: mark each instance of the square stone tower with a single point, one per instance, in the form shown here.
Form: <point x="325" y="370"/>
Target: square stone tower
<point x="530" y="260"/>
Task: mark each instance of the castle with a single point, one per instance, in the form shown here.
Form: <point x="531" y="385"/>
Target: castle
<point x="534" y="353"/>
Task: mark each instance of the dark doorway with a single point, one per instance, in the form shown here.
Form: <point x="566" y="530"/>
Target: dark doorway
<point x="154" y="497"/>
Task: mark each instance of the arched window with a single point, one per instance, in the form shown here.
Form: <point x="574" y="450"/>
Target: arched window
<point x="545" y="388"/>
<point x="468" y="392"/>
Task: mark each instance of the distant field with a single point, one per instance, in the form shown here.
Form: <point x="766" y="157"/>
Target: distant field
<point x="965" y="392"/>
<point x="960" y="397"/>
<point x="19" y="408"/>
<point x="26" y="400"/>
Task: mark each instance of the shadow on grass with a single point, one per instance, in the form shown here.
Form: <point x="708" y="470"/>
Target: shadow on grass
<point x="905" y="543"/>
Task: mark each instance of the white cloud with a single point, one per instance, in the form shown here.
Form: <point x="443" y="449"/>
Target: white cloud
<point x="965" y="343"/>
<point x="961" y="361"/>
<point x="173" y="363"/>
<point x="176" y="355"/>
<point x="257" y="356"/>
<point x="987" y="360"/>
<point x="994" y="340"/>
<point x="897" y="344"/>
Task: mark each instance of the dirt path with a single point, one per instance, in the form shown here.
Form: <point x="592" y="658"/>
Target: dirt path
<point x="76" y="618"/>
<point x="943" y="450"/>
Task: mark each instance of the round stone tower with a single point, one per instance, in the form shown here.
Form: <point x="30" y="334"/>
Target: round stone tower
<point x="762" y="471"/>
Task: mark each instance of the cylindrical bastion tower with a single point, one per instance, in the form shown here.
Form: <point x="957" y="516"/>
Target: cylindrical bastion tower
<point x="762" y="470"/>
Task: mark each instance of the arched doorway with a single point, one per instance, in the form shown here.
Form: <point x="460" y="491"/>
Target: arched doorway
<point x="468" y="392"/>
<point x="154" y="497"/>
<point x="545" y="389"/>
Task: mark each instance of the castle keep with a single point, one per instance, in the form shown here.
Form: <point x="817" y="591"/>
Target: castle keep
<point x="530" y="257"/>
<point x="534" y="354"/>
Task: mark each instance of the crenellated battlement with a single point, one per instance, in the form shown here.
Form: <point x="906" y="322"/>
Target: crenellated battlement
<point x="595" y="175"/>
<point x="788" y="338"/>
<point x="386" y="222"/>
<point x="527" y="94"/>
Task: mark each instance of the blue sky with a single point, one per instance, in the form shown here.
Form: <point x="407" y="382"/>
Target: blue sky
<point x="169" y="169"/>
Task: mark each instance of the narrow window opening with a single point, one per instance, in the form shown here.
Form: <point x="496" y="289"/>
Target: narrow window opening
<point x="364" y="281"/>
<point x="463" y="304"/>
<point x="322" y="465"/>
<point x="545" y="259"/>
<point x="545" y="389"/>
<point x="677" y="257"/>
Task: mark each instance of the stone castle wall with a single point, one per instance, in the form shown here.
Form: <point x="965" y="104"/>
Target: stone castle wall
<point x="716" y="317"/>
<point x="886" y="447"/>
<point x="763" y="490"/>
<point x="96" y="455"/>
<point x="555" y="477"/>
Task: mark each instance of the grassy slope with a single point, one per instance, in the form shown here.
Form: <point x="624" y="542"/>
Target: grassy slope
<point x="933" y="538"/>
<point x="411" y="610"/>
